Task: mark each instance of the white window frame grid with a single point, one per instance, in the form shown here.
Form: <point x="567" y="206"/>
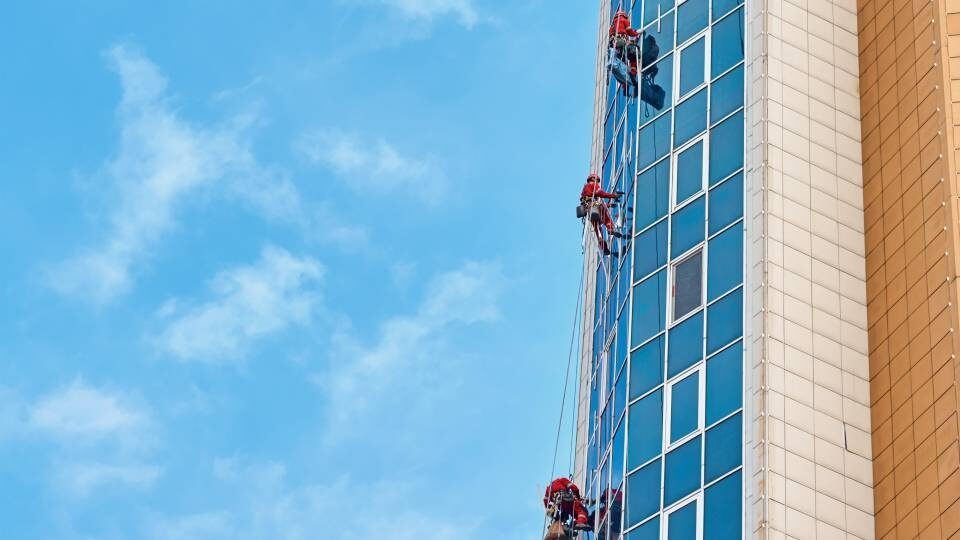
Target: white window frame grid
<point x="705" y="34"/>
<point x="697" y="370"/>
<point x="696" y="498"/>
<point x="672" y="320"/>
<point x="703" y="138"/>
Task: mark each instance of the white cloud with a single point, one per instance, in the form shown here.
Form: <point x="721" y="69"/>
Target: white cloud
<point x="162" y="161"/>
<point x="406" y="352"/>
<point x="375" y="167"/>
<point x="82" y="479"/>
<point x="250" y="302"/>
<point x="464" y="10"/>
<point x="81" y="412"/>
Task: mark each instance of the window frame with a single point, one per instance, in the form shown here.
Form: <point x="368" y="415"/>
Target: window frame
<point x="697" y="498"/>
<point x="707" y="80"/>
<point x="697" y="370"/>
<point x="672" y="319"/>
<point x="703" y="138"/>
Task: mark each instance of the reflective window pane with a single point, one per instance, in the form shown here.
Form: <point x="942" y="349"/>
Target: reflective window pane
<point x="648" y="531"/>
<point x="692" y="66"/>
<point x="646" y="429"/>
<point x="722" y="506"/>
<point x="653" y="195"/>
<point x="684" y="407"/>
<point x="646" y="367"/>
<point x="682" y="523"/>
<point x="726" y="148"/>
<point x="616" y="456"/>
<point x="689" y="172"/>
<point x="722" y="7"/>
<point x="726" y="94"/>
<point x="691" y="117"/>
<point x="650" y="250"/>
<point x="682" y="472"/>
<point x="725" y="266"/>
<point x="664" y="34"/>
<point x="725" y="321"/>
<point x="724" y="383"/>
<point x="724" y="448"/>
<point x="656" y="88"/>
<point x="726" y="203"/>
<point x="649" y="307"/>
<point x="686" y="345"/>
<point x="726" y="43"/>
<point x="687" y="227"/>
<point x="654" y="141"/>
<point x="643" y="493"/>
<point x="691" y="18"/>
<point x="688" y="285"/>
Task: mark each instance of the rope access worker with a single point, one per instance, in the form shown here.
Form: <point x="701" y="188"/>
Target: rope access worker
<point x="623" y="41"/>
<point x="597" y="210"/>
<point x="562" y="499"/>
<point x="613" y="509"/>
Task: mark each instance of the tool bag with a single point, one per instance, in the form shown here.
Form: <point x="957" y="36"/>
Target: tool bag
<point x="618" y="68"/>
<point x="581" y="211"/>
<point x="556" y="531"/>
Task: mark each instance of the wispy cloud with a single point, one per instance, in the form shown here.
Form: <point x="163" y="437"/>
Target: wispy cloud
<point x="249" y="303"/>
<point x="375" y="167"/>
<point x="83" y="478"/>
<point x="79" y="412"/>
<point x="463" y="10"/>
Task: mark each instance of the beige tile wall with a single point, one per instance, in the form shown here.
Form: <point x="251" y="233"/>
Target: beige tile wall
<point x="910" y="216"/>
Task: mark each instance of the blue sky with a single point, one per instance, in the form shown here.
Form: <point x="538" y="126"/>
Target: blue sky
<point x="297" y="270"/>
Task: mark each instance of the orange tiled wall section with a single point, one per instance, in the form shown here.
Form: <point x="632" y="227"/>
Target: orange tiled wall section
<point x="911" y="239"/>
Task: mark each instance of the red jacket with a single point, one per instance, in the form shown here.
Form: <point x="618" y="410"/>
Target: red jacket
<point x="592" y="190"/>
<point x="559" y="485"/>
<point x="621" y="26"/>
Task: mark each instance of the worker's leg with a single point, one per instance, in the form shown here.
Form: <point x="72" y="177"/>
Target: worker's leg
<point x="580" y="518"/>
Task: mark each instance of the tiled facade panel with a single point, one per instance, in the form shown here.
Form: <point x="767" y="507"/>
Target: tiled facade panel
<point x="811" y="376"/>
<point x="910" y="218"/>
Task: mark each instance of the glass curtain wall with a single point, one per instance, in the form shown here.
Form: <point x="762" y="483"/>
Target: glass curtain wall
<point x="665" y="448"/>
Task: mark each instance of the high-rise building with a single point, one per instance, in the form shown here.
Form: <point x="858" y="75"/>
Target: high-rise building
<point x="771" y="351"/>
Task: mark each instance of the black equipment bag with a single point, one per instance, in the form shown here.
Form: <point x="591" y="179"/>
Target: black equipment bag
<point x="581" y="211"/>
<point x="651" y="93"/>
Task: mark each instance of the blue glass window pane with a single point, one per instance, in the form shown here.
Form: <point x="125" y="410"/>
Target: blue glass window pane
<point x="649" y="303"/>
<point x="726" y="45"/>
<point x="653" y="195"/>
<point x="682" y="472"/>
<point x="691" y="117"/>
<point x="646" y="429"/>
<point x="654" y="141"/>
<point x="689" y="172"/>
<point x="688" y="285"/>
<point x="646" y="367"/>
<point x="623" y="328"/>
<point x="619" y="397"/>
<point x="724" y="383"/>
<point x="663" y="35"/>
<point x="725" y="321"/>
<point x="725" y="262"/>
<point x="691" y="18"/>
<point x="726" y="95"/>
<point x="650" y="250"/>
<point x="724" y="448"/>
<point x="643" y="493"/>
<point x="726" y="203"/>
<point x="648" y="531"/>
<point x="687" y="225"/>
<point x="659" y="75"/>
<point x="686" y="345"/>
<point x="722" y="506"/>
<point x="682" y="523"/>
<point x="684" y="407"/>
<point x="722" y="7"/>
<point x="616" y="458"/>
<point x="726" y="148"/>
<point x="692" y="67"/>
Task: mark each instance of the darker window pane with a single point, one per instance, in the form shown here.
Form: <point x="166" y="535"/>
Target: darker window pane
<point x="726" y="44"/>
<point x="722" y="505"/>
<point x="654" y="141"/>
<point x="617" y="456"/>
<point x="726" y="203"/>
<point x="689" y="172"/>
<point x="691" y="18"/>
<point x="684" y="407"/>
<point x="722" y="7"/>
<point x="692" y="66"/>
<point x="686" y="345"/>
<point x="724" y="383"/>
<point x="649" y="307"/>
<point x="682" y="524"/>
<point x="726" y="148"/>
<point x="643" y="493"/>
<point x="726" y="95"/>
<point x="688" y="285"/>
<point x="687" y="224"/>
<point x="646" y="367"/>
<point x="725" y="321"/>
<point x="691" y="117"/>
<point x="646" y="429"/>
<point x="653" y="195"/>
<point x="723" y="450"/>
<point x="650" y="250"/>
<point x="648" y="531"/>
<point x="657" y="78"/>
<point x="682" y="472"/>
<point x="725" y="262"/>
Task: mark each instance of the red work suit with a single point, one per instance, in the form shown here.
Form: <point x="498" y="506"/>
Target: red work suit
<point x="591" y="194"/>
<point x="614" y="507"/>
<point x="621" y="26"/>
<point x="571" y="505"/>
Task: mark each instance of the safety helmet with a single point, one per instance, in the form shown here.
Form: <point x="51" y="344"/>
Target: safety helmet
<point x="621" y="14"/>
<point x="593" y="177"/>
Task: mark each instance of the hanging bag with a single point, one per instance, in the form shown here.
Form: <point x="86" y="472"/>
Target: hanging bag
<point x="556" y="531"/>
<point x="619" y="68"/>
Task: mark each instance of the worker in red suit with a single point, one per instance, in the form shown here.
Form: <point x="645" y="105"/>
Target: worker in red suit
<point x="563" y="496"/>
<point x="623" y="38"/>
<point x="591" y="198"/>
<point x="611" y="503"/>
<point x="621" y="26"/>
